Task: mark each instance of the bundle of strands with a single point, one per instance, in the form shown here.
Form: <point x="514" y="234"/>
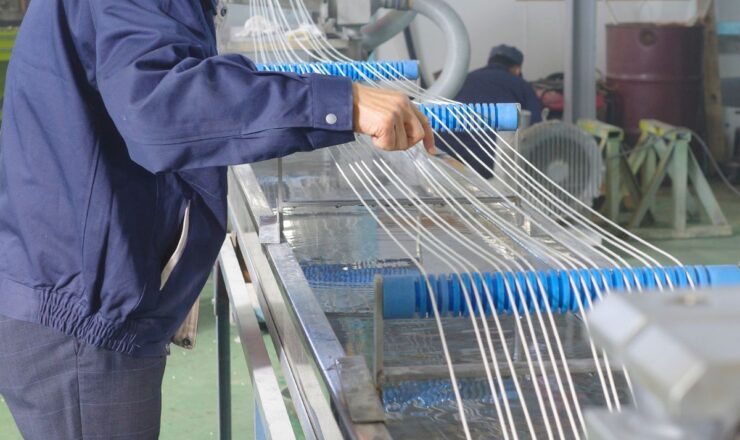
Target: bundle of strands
<point x="477" y="239"/>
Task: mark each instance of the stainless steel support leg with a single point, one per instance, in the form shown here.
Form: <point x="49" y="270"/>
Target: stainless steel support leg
<point x="378" y="329"/>
<point x="580" y="74"/>
<point x="680" y="184"/>
<point x="280" y="196"/>
<point x="223" y="337"/>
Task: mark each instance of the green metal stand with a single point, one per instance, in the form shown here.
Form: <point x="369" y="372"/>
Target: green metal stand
<point x="618" y="172"/>
<point x="662" y="151"/>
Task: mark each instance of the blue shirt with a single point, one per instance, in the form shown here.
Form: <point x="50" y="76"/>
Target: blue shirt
<point x="119" y="118"/>
<point x="491" y="84"/>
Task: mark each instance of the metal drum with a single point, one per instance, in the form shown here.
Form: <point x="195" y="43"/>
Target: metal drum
<point x="656" y="72"/>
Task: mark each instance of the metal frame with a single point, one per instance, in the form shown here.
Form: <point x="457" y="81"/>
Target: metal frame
<point x="310" y="353"/>
<point x="334" y="395"/>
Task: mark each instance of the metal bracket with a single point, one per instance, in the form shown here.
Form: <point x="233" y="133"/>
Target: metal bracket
<point x="357" y="391"/>
<point x="680" y="350"/>
<point x="270" y="224"/>
<point x="269" y="229"/>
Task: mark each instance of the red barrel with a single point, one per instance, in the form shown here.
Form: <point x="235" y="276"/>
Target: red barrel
<point x="655" y="71"/>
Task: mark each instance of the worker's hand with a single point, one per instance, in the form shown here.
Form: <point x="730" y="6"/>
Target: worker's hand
<point x="393" y="122"/>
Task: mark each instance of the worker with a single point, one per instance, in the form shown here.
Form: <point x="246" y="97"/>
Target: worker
<point x="119" y="120"/>
<point x="500" y="81"/>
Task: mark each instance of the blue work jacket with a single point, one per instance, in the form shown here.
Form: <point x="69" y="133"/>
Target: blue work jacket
<point x="118" y="121"/>
<point x="494" y="83"/>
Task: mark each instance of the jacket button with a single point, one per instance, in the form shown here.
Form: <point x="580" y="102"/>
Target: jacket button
<point x="331" y="119"/>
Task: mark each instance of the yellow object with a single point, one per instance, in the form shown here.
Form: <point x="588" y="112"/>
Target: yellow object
<point x="7" y="41"/>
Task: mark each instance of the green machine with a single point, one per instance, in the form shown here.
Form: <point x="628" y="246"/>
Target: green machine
<point x="633" y="180"/>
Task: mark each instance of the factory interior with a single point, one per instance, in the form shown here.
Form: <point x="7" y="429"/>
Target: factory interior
<point x="566" y="265"/>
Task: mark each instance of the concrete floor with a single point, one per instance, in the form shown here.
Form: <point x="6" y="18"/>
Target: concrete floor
<point x="190" y="398"/>
<point x="725" y="250"/>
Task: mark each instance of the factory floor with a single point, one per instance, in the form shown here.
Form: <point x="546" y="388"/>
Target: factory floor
<point x="189" y="395"/>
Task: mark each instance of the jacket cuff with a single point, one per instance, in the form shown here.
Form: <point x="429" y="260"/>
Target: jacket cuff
<point x="326" y="138"/>
<point x="332" y="103"/>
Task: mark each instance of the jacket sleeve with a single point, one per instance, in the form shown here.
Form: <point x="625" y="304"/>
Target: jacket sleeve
<point x="178" y="108"/>
<point x="533" y="103"/>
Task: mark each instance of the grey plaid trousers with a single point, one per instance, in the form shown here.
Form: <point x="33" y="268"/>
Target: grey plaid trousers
<point x="60" y="389"/>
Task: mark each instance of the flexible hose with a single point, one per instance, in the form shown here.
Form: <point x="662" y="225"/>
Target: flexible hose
<point x="457" y="61"/>
<point x="385" y="28"/>
<point x="440" y="13"/>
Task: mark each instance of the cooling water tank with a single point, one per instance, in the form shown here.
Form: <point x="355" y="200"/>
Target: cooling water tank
<point x="655" y="71"/>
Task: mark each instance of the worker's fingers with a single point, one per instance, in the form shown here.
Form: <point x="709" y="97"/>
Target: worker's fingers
<point x="402" y="140"/>
<point x="428" y="132"/>
<point x="390" y="119"/>
<point x="385" y="138"/>
<point x="429" y="139"/>
<point x="414" y="128"/>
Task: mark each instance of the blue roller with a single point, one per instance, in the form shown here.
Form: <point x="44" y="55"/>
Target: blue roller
<point x="356" y="70"/>
<point x="457" y="118"/>
<point x="443" y="117"/>
<point x="405" y="295"/>
<point x="352" y="275"/>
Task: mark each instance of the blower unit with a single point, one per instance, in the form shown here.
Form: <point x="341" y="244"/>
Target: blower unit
<point x="568" y="156"/>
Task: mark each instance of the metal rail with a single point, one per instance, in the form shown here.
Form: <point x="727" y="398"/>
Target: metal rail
<point x="339" y="203"/>
<point x="426" y="372"/>
<point x="267" y="395"/>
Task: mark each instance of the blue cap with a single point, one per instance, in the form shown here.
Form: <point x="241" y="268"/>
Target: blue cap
<point x="728" y="275"/>
<point x="399" y="296"/>
<point x="507" y="117"/>
<point x="509" y="52"/>
<point x="410" y="69"/>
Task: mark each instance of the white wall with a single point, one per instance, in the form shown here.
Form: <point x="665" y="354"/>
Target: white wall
<point x="536" y="27"/>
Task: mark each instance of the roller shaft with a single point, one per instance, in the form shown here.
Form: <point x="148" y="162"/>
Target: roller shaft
<point x="443" y="117"/>
<point x="472" y="117"/>
<point x="356" y="70"/>
<point x="408" y="296"/>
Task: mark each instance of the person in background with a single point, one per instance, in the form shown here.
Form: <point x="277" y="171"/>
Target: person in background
<point x="500" y="81"/>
